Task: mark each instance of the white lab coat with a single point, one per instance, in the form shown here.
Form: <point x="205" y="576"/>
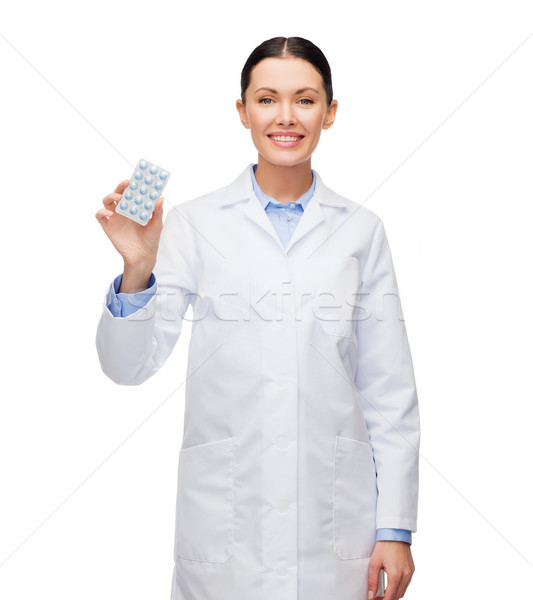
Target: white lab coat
<point x="301" y="423"/>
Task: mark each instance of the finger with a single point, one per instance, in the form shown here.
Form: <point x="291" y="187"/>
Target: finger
<point x="159" y="205"/>
<point x="110" y="201"/>
<point x="393" y="584"/>
<point x="373" y="578"/>
<point x="381" y="597"/>
<point x="102" y="215"/>
<point x="157" y="215"/>
<point x="122" y="186"/>
<point x="404" y="584"/>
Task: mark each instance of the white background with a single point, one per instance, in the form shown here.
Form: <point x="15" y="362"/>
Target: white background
<point x="434" y="133"/>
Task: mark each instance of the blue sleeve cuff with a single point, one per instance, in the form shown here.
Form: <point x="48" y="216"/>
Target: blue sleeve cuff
<point x="397" y="535"/>
<point x="122" y="304"/>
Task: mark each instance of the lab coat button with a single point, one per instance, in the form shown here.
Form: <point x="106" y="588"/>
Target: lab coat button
<point x="283" y="506"/>
<point x="282" y="570"/>
<point x="282" y="441"/>
<point x="281" y="381"/>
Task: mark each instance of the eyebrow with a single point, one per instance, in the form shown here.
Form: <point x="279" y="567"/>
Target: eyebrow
<point x="297" y="91"/>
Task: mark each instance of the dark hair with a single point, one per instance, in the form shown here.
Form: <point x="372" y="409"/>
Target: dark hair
<point x="283" y="47"/>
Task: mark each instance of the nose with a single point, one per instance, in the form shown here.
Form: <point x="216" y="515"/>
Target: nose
<point x="286" y="114"/>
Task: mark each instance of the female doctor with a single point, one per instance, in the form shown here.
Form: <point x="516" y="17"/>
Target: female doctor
<point x="298" y="469"/>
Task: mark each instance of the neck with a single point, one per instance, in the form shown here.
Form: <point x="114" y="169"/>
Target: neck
<point x="285" y="184"/>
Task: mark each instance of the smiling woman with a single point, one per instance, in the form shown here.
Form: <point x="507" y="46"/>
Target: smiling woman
<point x="286" y="101"/>
<point x="298" y="468"/>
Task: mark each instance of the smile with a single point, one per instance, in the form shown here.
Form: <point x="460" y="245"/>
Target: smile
<point x="285" y="138"/>
<point x="286" y="141"/>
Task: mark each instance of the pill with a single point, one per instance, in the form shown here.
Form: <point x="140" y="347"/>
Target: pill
<point x="138" y="175"/>
<point x="158" y="185"/>
<point x="148" y="180"/>
<point x="134" y="185"/>
<point x="133" y="210"/>
<point x="143" y="164"/>
<point x="138" y="200"/>
<point x="143" y="215"/>
<point x="128" y="195"/>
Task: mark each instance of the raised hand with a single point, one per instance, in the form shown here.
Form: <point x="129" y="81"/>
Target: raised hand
<point x="137" y="244"/>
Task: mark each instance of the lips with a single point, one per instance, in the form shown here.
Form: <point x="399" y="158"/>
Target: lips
<point x="287" y="144"/>
<point x="278" y="134"/>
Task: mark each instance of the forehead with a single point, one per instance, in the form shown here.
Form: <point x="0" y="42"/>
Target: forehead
<point x="285" y="74"/>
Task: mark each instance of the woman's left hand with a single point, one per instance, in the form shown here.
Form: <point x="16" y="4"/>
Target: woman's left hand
<point x="396" y="560"/>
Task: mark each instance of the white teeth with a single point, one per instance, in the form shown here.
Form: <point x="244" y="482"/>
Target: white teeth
<point x="285" y="138"/>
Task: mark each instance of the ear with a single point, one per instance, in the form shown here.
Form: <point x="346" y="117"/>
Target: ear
<point x="330" y="115"/>
<point x="242" y="113"/>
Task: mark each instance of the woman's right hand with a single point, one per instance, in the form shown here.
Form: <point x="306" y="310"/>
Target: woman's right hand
<point x="137" y="244"/>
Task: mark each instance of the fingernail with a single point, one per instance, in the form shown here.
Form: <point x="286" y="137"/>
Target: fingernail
<point x="370" y="594"/>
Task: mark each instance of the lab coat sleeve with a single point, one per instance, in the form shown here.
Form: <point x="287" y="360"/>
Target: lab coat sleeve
<point x="385" y="384"/>
<point x="131" y="349"/>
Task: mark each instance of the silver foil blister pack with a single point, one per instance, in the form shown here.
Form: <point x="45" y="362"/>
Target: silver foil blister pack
<point x="146" y="185"/>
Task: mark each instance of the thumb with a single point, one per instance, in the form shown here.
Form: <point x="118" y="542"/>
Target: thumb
<point x="157" y="216"/>
<point x="373" y="579"/>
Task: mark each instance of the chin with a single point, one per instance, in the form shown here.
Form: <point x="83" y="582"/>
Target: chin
<point x="283" y="161"/>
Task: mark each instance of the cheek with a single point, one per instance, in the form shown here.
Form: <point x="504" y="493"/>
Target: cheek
<point x="258" y="127"/>
<point x="313" y="123"/>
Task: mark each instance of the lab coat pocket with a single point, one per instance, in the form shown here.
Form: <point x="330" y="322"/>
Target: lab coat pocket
<point x="205" y="502"/>
<point x="354" y="499"/>
<point x="336" y="294"/>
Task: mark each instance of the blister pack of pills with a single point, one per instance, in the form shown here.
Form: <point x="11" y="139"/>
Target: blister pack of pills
<point x="146" y="185"/>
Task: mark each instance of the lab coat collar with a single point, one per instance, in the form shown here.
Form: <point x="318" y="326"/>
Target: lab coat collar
<point x="242" y="189"/>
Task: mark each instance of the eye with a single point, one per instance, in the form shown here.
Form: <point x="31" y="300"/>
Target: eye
<point x="264" y="99"/>
<point x="307" y="100"/>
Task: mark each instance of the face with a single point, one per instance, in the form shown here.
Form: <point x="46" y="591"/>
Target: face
<point x="294" y="104"/>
